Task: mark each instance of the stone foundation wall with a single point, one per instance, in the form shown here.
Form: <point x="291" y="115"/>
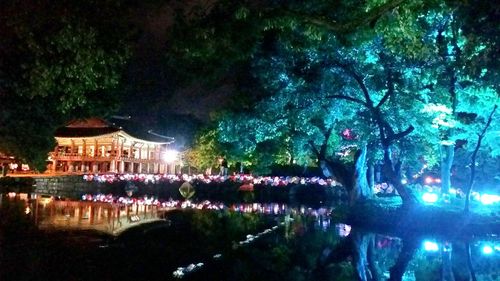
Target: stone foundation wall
<point x="65" y="186"/>
<point x="73" y="187"/>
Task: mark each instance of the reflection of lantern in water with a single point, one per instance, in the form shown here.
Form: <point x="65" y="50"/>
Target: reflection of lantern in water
<point x="276" y="209"/>
<point x="343" y="229"/>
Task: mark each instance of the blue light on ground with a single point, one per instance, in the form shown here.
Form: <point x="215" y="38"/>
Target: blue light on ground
<point x="487" y="199"/>
<point x="487" y="250"/>
<point x="430" y="197"/>
<point x="430" y="246"/>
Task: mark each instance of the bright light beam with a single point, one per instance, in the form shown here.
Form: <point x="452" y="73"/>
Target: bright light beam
<point x="170" y="156"/>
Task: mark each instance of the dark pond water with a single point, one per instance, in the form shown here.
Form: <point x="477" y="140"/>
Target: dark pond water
<point x="245" y="242"/>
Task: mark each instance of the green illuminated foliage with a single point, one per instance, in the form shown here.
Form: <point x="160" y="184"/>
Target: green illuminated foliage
<point x="205" y="151"/>
<point x="59" y="61"/>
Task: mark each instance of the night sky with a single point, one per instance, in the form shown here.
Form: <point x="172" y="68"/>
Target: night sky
<point x="154" y="99"/>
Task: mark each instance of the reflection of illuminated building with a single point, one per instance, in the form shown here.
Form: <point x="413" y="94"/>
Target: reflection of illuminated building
<point x="93" y="145"/>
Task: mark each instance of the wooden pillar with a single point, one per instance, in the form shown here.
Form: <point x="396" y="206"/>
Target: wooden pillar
<point x="54" y="165"/>
<point x="54" y="159"/>
<point x="95" y="154"/>
<point x="157" y="157"/>
<point x="131" y="150"/>
<point x="122" y="167"/>
<point x="112" y="155"/>
<point x="84" y="149"/>
<point x="109" y="211"/>
<point x="99" y="213"/>
<point x="91" y="214"/>
<point x="95" y="167"/>
<point x="121" y="162"/>
<point x="84" y="154"/>
<point x="118" y="214"/>
<point x="36" y="206"/>
<point x="120" y="152"/>
<point x="112" y="166"/>
<point x="127" y="210"/>
<point x="80" y="214"/>
<point x="148" y="157"/>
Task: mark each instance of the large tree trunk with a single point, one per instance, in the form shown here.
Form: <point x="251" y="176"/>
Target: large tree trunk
<point x="361" y="189"/>
<point x="352" y="177"/>
<point x="446" y="270"/>
<point x="359" y="246"/>
<point x="405" y="256"/>
<point x="469" y="262"/>
<point x="371" y="176"/>
<point x="447" y="156"/>
<point x="473" y="158"/>
<point x="393" y="174"/>
<point x="362" y="243"/>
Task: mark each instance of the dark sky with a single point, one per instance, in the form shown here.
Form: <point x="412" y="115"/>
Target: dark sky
<point x="154" y="99"/>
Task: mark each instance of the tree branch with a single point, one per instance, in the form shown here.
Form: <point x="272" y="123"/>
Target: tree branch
<point x="314" y="149"/>
<point x="343" y="97"/>
<point x="384" y="99"/>
<point x="369" y="18"/>
<point x="401" y="135"/>
<point x="324" y="146"/>
<point x="368" y="103"/>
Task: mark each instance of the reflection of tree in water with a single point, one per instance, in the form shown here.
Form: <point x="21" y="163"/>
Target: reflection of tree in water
<point x="371" y="256"/>
<point x="374" y="257"/>
<point x="292" y="254"/>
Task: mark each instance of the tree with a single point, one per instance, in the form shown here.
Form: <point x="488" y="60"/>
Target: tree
<point x="59" y="61"/>
<point x="217" y="27"/>
<point x="321" y="89"/>
<point x="380" y="61"/>
<point x="455" y="59"/>
<point x="205" y="151"/>
<point x="484" y="127"/>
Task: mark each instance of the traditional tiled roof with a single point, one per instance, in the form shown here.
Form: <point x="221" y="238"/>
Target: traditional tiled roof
<point x="86" y="128"/>
<point x="66" y="132"/>
<point x="94" y="127"/>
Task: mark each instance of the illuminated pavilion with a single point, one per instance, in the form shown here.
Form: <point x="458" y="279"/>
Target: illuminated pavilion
<point x="95" y="146"/>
